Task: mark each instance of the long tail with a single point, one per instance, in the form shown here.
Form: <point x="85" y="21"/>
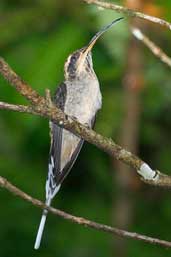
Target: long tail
<point x="41" y="226"/>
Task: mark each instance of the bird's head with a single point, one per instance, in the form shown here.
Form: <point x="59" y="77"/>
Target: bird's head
<point x="80" y="62"/>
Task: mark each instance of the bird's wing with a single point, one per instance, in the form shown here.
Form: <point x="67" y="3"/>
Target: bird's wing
<point x="55" y="130"/>
<point x="60" y="176"/>
<point x="93" y="121"/>
<point x="64" y="148"/>
<point x="74" y="155"/>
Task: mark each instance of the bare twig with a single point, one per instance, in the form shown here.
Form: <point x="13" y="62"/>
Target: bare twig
<point x="129" y="12"/>
<point x="41" y="106"/>
<point x="157" y="51"/>
<point x="16" y="108"/>
<point x="79" y="220"/>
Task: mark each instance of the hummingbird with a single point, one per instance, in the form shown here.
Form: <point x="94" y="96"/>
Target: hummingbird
<point x="79" y="96"/>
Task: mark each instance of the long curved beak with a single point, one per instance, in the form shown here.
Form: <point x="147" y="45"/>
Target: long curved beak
<point x="94" y="39"/>
<point x="99" y="33"/>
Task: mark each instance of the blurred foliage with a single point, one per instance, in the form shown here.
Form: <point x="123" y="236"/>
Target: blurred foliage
<point x="36" y="38"/>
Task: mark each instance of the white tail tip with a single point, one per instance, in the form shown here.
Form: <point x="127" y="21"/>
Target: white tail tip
<point x="40" y="230"/>
<point x="43" y="219"/>
<point x="41" y="226"/>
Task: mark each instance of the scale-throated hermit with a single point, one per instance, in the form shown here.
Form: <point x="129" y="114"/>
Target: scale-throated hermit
<point x="78" y="96"/>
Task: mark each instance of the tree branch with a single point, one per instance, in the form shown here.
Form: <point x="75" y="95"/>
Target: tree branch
<point x="157" y="51"/>
<point x="16" y="108"/>
<point x="41" y="106"/>
<point x="4" y="183"/>
<point x="129" y="12"/>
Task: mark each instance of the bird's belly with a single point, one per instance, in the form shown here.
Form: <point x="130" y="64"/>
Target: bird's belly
<point x="83" y="103"/>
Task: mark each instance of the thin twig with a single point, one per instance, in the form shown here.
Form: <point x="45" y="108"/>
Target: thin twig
<point x="156" y="50"/>
<point x="41" y="106"/>
<point x="129" y="12"/>
<point x="4" y="183"/>
<point x="16" y="108"/>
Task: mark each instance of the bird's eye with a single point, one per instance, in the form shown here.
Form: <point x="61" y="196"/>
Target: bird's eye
<point x="73" y="58"/>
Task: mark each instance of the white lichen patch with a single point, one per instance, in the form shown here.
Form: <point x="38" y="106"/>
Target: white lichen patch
<point x="147" y="173"/>
<point x="137" y="33"/>
<point x="61" y="122"/>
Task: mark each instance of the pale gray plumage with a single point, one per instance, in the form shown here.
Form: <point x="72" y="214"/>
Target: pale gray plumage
<point x="78" y="96"/>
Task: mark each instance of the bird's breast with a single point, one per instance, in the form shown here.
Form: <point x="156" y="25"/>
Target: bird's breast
<point x="83" y="100"/>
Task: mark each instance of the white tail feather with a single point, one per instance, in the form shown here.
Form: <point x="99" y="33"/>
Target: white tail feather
<point x="43" y="219"/>
<point x="41" y="226"/>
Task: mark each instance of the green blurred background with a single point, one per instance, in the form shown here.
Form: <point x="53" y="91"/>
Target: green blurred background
<point x="35" y="38"/>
